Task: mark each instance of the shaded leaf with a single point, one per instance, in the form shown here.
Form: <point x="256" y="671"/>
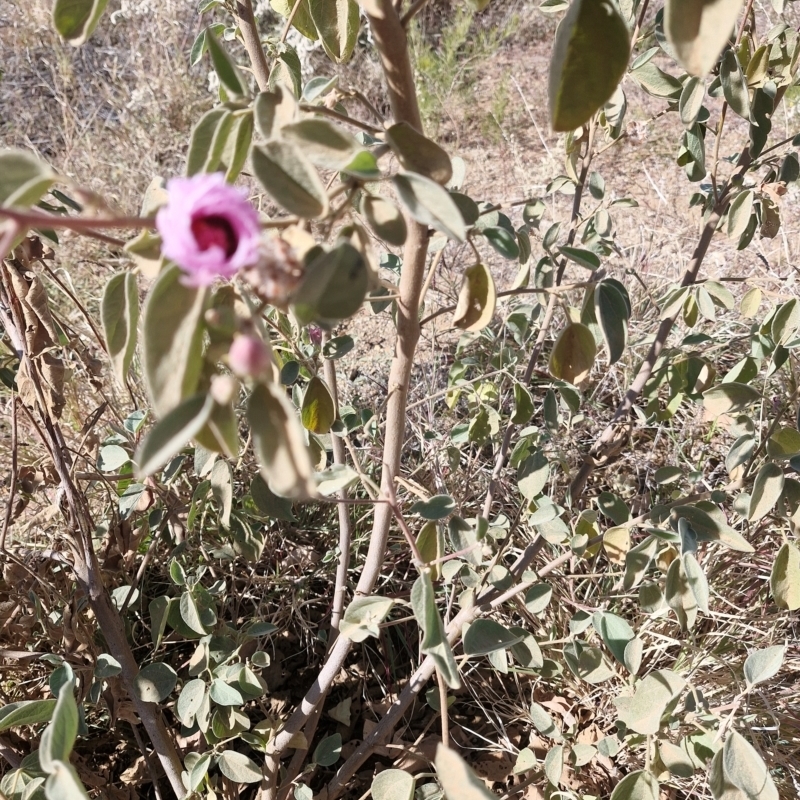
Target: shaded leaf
<point x="75" y="20"/>
<point x="434" y="641"/>
<point x="279" y="443"/>
<point x="484" y="636"/>
<point x="172" y="433"/>
<point x="573" y="354"/>
<point x="476" y="300"/>
<point x="173" y="340"/>
<point x="317" y="412"/>
<point x="785" y="577"/>
<point x="458" y="781"/>
<point x="590" y="55"/>
<point x="419" y="154"/>
<point x="337" y="22"/>
<point x="155" y="682"/>
<point x="767" y="489"/>
<point x="119" y="311"/>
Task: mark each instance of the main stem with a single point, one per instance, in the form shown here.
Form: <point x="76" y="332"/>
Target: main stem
<point x="390" y="40"/>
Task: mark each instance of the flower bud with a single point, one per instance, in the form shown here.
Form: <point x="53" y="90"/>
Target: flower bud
<point x="248" y="357"/>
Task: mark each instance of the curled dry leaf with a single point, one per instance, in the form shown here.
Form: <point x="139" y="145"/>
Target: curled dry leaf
<point x="476" y="300"/>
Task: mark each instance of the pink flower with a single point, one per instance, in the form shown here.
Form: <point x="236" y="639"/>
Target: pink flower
<point x="248" y="357"/>
<point x="208" y="228"/>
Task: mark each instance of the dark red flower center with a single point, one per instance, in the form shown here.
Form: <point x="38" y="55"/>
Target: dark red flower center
<point x="215" y="230"/>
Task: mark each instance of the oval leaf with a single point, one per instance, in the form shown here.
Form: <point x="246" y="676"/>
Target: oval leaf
<point x="761" y="665"/>
<point x="766" y="491"/>
<point x="573" y="354"/>
<point x="289" y="178"/>
<point x="172" y="433"/>
<point x="173" y="340"/>
<point x="385" y="219"/>
<point x="419" y="154"/>
<point x="485" y="636"/>
<point x="279" y="443"/>
<point x="238" y="768"/>
<point x="589" y="59"/>
<point x="477" y="299"/>
<point x="317" y="412"/>
<point x="155" y="682"/>
<point x="430" y="204"/>
<point x="119" y="311"/>
<point x="785" y="577"/>
<point x="698" y="30"/>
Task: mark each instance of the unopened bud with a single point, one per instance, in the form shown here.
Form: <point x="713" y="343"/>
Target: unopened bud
<point x="248" y="357"/>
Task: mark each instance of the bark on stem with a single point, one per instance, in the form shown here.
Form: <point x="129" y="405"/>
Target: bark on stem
<point x="391" y="43"/>
<point x="252" y="42"/>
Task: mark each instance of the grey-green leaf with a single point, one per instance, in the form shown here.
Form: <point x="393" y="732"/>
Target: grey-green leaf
<point x="23" y="178"/>
<point x="155" y="682"/>
<point x="457" y="779"/>
<point x="289" y="178"/>
<point x="640" y="785"/>
<point x="238" y="768"/>
<point x="227" y="71"/>
<point x="430" y="204"/>
<point x="385" y="219"/>
<point x="279" y="443"/>
<point x="119" y="312"/>
<point x="761" y="665"/>
<point x="485" y="636"/>
<point x="766" y="491"/>
<point x="172" y="433"/>
<point x="393" y="784"/>
<point x="337" y="22"/>
<point x="734" y="84"/>
<point x="173" y="340"/>
<point x="324" y="144"/>
<point x="434" y="641"/>
<point x="419" y="154"/>
<point x="26" y="712"/>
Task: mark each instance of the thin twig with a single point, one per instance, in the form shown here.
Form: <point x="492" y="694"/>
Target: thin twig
<point x="443" y="709"/>
<point x="412" y="12"/>
<point x="39" y="219"/>
<point x="290" y="19"/>
<point x="12" y="488"/>
<point x="329" y="112"/>
<point x="552" y="290"/>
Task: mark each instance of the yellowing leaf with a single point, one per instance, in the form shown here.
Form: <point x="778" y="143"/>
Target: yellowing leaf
<point x="589" y="58"/>
<point x="616" y="543"/>
<point x="785" y="577"/>
<point x="318" y="411"/>
<point x="477" y="299"/>
<point x="573" y="354"/>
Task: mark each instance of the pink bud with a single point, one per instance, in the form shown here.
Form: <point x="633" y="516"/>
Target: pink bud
<point x="315" y="334"/>
<point x="248" y="357"/>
